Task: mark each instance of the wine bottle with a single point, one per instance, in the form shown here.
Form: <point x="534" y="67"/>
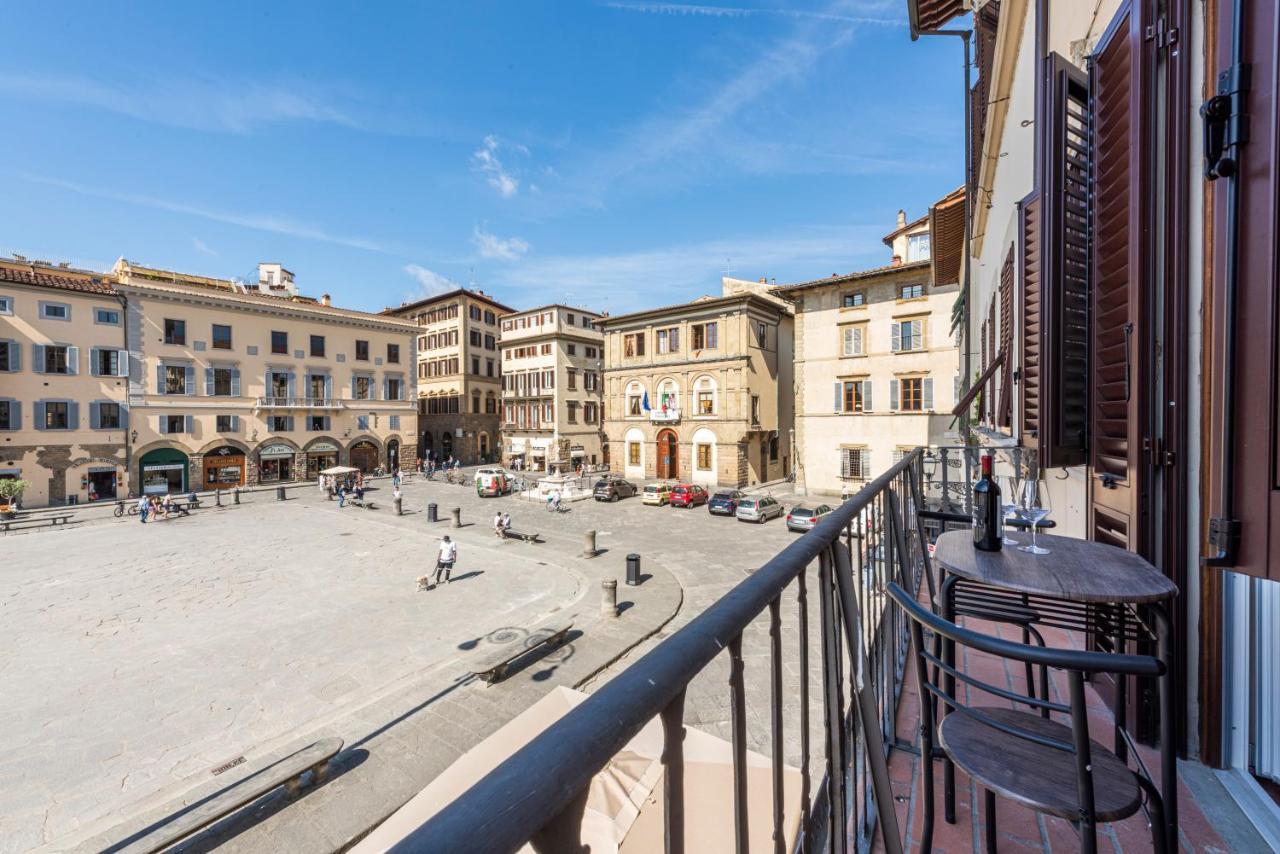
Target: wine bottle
<point x="987" y="517"/>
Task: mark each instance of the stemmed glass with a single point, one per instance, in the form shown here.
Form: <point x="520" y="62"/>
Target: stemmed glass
<point x="1010" y="506"/>
<point x="1034" y="510"/>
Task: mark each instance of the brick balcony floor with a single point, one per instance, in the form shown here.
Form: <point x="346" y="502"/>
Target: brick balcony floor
<point x="1020" y="829"/>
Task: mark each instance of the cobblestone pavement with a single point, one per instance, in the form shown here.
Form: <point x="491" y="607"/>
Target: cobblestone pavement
<point x="139" y="658"/>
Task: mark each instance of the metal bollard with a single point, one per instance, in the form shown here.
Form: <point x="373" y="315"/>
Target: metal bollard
<point x="399" y="508"/>
<point x="609" y="598"/>
<point x="235" y="495"/>
<point x="457" y="517"/>
<point x="589" y="544"/>
<point x="633" y="570"/>
<point x="217" y="497"/>
<point x="431" y="513"/>
<point x="279" y="493"/>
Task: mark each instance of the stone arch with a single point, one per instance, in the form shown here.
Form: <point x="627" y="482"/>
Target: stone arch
<point x="359" y="457"/>
<point x="276" y="440"/>
<point x="218" y="443"/>
<point x="705" y="467"/>
<point x="666" y="394"/>
<point x="705" y="383"/>
<point x="633" y="466"/>
<point x="311" y="443"/>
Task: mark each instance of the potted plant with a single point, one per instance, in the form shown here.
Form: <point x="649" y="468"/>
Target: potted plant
<point x="10" y="489"/>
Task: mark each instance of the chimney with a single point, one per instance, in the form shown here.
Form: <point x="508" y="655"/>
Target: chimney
<point x="324" y="299"/>
<point x="764" y="280"/>
<point x="897" y="260"/>
<point x="902" y="218"/>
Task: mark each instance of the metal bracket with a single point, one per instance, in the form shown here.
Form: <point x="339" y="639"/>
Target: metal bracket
<point x="1224" y="535"/>
<point x="1226" y="124"/>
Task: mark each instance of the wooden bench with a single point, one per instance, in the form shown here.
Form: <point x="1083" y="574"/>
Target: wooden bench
<point x="508" y="534"/>
<point x="41" y="522"/>
<point x="287" y="772"/>
<point x="365" y="504"/>
<point x="492" y="667"/>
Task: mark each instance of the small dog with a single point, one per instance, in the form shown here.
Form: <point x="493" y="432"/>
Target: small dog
<point x="424" y="582"/>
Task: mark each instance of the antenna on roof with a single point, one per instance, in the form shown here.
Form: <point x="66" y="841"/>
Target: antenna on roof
<point x="727" y="268"/>
<point x="472" y="272"/>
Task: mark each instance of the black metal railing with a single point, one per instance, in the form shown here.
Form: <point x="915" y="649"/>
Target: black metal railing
<point x="857" y="652"/>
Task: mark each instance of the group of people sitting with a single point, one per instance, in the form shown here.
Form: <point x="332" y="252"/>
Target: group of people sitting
<point x="501" y="524"/>
<point x="158" y="506"/>
<point x="351" y="486"/>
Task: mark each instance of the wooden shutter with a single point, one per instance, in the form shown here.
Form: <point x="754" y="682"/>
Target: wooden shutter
<point x="1063" y="253"/>
<point x="989" y="398"/>
<point x="1029" y="363"/>
<point x="1004" y="413"/>
<point x="1255" y="436"/>
<point x="1117" y="259"/>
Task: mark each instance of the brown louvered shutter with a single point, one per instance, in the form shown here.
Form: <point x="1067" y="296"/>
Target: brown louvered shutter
<point x="1255" y="439"/>
<point x="1029" y="370"/>
<point x="992" y="352"/>
<point x="1117" y="260"/>
<point x="1064" y="304"/>
<point x="984" y="394"/>
<point x="1004" y="413"/>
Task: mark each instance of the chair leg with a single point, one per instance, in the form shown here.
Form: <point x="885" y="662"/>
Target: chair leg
<point x="1031" y="682"/>
<point x="926" y="783"/>
<point x="1159" y="842"/>
<point x="990" y="835"/>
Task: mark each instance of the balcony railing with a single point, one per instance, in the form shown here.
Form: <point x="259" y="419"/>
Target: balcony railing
<point x="858" y="651"/>
<point x="272" y="402"/>
<point x="664" y="416"/>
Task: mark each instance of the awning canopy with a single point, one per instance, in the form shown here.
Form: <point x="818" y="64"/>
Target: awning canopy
<point x="927" y="15"/>
<point x="340" y="470"/>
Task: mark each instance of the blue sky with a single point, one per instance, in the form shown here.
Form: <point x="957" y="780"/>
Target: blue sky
<point x="611" y="154"/>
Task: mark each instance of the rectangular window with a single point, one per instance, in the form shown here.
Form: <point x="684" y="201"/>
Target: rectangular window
<point x="108" y="416"/>
<point x="911" y="390"/>
<point x="475" y="365"/>
<point x="279" y="342"/>
<point x="568" y="318"/>
<point x="224" y="424"/>
<point x="669" y="340"/>
<point x="474" y="337"/>
<point x="490" y="318"/>
<point x="706" y="402"/>
<point x="589" y="413"/>
<point x="853" y="340"/>
<point x="571" y="380"/>
<point x="175" y="423"/>
<point x="911" y="291"/>
<point x="633" y="453"/>
<point x="475" y="313"/>
<point x="633" y="345"/>
<point x="106" y="363"/>
<point x="56" y="415"/>
<point x="488" y="367"/>
<point x="755" y="409"/>
<point x="362" y="351"/>
<point x="855" y="463"/>
<point x="704" y="456"/>
<point x="573" y="411"/>
<point x="363" y="388"/>
<point x="56" y="359"/>
<point x="280" y="423"/>
<point x="762" y="334"/>
<point x="907" y="335"/>
<point x="573" y="349"/>
<point x="633" y="404"/>
<point x="703" y="336"/>
<point x="222" y="382"/>
<point x="490" y="343"/>
<point x="394" y="388"/>
<point x="393" y="354"/>
<point x="175" y="331"/>
<point x="55" y="311"/>
<point x="852" y="392"/>
<point x="175" y="379"/>
<point x="106" y="316"/>
<point x="316" y="423"/>
<point x="317" y="346"/>
<point x="6" y="305"/>
<point x="221" y="336"/>
<point x="546" y="350"/>
<point x="856" y="299"/>
<point x="918" y="248"/>
<point x="8" y="356"/>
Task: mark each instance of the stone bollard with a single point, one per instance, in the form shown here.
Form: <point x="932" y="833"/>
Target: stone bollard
<point x="457" y="517"/>
<point x="609" y="598"/>
<point x="431" y="513"/>
<point x="235" y="495"/>
<point x="633" y="570"/>
<point x="399" y="507"/>
<point x="589" y="544"/>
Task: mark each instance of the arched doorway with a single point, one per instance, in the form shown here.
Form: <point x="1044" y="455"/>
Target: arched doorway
<point x="364" y="456"/>
<point x="446" y="445"/>
<point x="162" y="471"/>
<point x="224" y="467"/>
<point x="484" y="447"/>
<point x="393" y="454"/>
<point x="426" y="446"/>
<point x="668" y="467"/>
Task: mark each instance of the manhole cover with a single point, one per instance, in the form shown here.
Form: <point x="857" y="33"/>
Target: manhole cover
<point x="227" y="766"/>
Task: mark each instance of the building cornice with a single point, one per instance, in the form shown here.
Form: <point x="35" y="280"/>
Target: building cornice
<point x="745" y="301"/>
<point x="1009" y="26"/>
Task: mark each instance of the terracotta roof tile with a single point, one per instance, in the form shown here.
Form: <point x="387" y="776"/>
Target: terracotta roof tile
<point x="853" y="277"/>
<point x="27" y="276"/>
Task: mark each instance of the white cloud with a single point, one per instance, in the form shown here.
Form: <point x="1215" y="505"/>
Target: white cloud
<point x="199" y="103"/>
<point x="430" y="283"/>
<point x="258" y="222"/>
<point x="204" y="248"/>
<point x="492" y="246"/>
<point x="485" y="160"/>
<point x="741" y="12"/>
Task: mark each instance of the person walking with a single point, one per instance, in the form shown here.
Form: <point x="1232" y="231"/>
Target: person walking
<point x="444" y="564"/>
<point x="395" y="477"/>
<point x="144" y="508"/>
<point x="342" y="495"/>
<point x="497" y="524"/>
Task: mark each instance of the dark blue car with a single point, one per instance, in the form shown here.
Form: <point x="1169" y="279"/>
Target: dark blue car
<point x="725" y="503"/>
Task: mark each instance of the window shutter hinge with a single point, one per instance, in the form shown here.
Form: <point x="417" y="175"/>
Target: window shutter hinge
<point x="1226" y="123"/>
<point x="1224" y="535"/>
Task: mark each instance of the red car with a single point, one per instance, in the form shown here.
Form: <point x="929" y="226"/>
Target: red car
<point x="688" y="495"/>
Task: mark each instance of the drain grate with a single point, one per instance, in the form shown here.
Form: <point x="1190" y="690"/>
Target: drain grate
<point x="239" y="760"/>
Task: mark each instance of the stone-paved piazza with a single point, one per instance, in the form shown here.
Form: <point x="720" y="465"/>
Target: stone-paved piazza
<point x="138" y="658"/>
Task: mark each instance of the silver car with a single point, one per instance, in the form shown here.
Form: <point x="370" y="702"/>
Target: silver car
<point x="758" y="509"/>
<point x="803" y="518"/>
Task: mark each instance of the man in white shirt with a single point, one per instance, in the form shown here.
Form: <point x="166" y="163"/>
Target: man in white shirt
<point x="497" y="524"/>
<point x="444" y="563"/>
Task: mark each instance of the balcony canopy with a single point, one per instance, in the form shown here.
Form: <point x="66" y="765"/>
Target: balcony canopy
<point x="927" y="15"/>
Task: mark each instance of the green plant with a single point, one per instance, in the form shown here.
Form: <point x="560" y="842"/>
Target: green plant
<point x="10" y="488"/>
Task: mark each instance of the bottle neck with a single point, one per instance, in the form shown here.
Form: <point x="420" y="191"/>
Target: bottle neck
<point x="986" y="465"/>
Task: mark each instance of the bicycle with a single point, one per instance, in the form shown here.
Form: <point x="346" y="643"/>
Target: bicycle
<point x="121" y="509"/>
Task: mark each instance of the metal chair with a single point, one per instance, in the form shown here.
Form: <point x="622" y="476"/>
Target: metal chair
<point x="1026" y="756"/>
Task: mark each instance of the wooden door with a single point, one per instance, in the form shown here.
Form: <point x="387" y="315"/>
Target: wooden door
<point x="668" y="456"/>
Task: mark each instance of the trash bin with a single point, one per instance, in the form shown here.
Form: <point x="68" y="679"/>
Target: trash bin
<point x="431" y="513"/>
<point x="279" y="493"/>
<point x="633" y="570"/>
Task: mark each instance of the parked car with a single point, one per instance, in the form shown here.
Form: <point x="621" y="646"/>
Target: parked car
<point x="613" y="488"/>
<point x="492" y="482"/>
<point x="801" y="518"/>
<point x="758" y="509"/>
<point x="688" y="495"/>
<point x="656" y="493"/>
<point x="725" y="503"/>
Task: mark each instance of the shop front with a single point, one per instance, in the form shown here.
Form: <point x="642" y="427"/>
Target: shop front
<point x="163" y="471"/>
<point x="393" y="455"/>
<point x="275" y="463"/>
<point x="364" y="456"/>
<point x="320" y="456"/>
<point x="224" y="468"/>
<point x="101" y="482"/>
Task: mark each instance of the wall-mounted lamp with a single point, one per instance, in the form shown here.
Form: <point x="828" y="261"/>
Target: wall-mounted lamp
<point x="133" y="436"/>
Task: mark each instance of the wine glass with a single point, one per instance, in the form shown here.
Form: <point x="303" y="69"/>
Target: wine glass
<point x="1034" y="510"/>
<point x="1010" y="508"/>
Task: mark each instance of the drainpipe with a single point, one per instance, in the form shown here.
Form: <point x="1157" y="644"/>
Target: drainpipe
<point x="128" y="444"/>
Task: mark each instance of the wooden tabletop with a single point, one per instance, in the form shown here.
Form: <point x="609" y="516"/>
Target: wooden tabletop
<point x="1077" y="570"/>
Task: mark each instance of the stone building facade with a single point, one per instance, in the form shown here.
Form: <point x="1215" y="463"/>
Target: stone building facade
<point x="552" y="382"/>
<point x="458" y="374"/>
<point x="701" y="391"/>
<point x="63" y="381"/>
